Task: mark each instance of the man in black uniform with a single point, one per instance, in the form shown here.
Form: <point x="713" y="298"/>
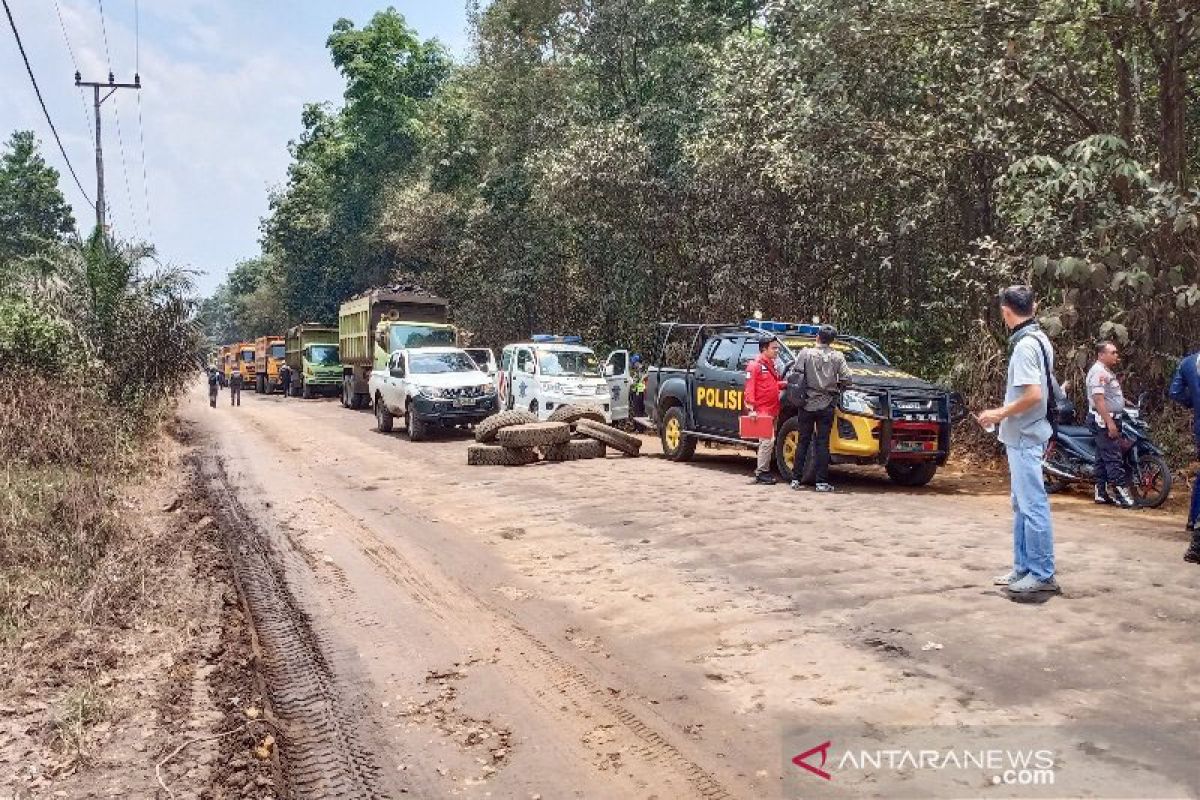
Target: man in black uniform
<point x="285" y="379"/>
<point x="235" y="388"/>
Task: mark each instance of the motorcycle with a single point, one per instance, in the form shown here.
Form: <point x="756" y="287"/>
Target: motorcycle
<point x="1071" y="457"/>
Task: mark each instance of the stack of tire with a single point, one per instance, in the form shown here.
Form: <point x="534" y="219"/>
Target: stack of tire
<point x="516" y="438"/>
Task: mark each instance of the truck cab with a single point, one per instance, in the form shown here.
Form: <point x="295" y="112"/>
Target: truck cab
<point x="430" y="387"/>
<point x="245" y="363"/>
<point x="887" y="417"/>
<point x="313" y="355"/>
<point x="547" y="372"/>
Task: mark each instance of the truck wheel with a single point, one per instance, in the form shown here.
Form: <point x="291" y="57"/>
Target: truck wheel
<point x="347" y="394"/>
<point x="487" y="428"/>
<point x="571" y="414"/>
<point x="418" y="430"/>
<point x="617" y="440"/>
<point x="383" y="417"/>
<point x="676" y="444"/>
<point x="573" y="451"/>
<point x="535" y="434"/>
<point x="911" y="474"/>
<point x="305" y="389"/>
<point x="786" y="442"/>
<point x="490" y="455"/>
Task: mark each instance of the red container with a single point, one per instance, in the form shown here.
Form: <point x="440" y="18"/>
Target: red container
<point x="756" y="427"/>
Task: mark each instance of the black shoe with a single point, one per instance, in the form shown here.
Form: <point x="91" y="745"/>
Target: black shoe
<point x="1192" y="556"/>
<point x="1101" y="496"/>
<point x="765" y="478"/>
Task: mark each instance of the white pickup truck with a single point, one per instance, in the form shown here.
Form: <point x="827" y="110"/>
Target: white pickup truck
<point x="430" y="387"/>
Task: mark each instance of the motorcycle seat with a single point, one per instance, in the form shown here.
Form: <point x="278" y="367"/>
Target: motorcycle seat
<point x="1075" y="431"/>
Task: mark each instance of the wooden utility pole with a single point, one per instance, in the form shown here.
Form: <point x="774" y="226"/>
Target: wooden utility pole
<point x="112" y="86"/>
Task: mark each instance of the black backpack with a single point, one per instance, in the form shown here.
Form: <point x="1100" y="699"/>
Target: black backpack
<point x="797" y="382"/>
<point x="1052" y="410"/>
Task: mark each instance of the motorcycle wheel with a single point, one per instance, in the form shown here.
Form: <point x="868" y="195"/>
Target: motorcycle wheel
<point x="1151" y="481"/>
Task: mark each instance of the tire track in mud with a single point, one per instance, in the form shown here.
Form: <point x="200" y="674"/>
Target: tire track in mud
<point x="560" y="675"/>
<point x="321" y="749"/>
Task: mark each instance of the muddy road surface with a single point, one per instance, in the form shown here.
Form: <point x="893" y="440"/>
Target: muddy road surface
<point x="638" y="628"/>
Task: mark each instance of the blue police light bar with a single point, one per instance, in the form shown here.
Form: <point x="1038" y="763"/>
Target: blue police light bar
<point x="546" y="338"/>
<point x="771" y="326"/>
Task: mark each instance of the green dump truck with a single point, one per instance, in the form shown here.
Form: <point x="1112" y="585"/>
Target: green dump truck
<point x="312" y="353"/>
<point x="378" y="322"/>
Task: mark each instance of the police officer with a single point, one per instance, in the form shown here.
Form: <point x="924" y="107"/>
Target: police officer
<point x="1107" y="404"/>
<point x="637" y="388"/>
<point x="214" y="386"/>
<point x="235" y="387"/>
<point x="1185" y="390"/>
<point x="285" y="379"/>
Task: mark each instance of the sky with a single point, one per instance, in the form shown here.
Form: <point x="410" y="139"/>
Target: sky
<point x="223" y="83"/>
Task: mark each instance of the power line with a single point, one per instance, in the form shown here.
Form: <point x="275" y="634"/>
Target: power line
<point x="71" y="51"/>
<point x="20" y="46"/>
<point x="117" y="118"/>
<point x="137" y="68"/>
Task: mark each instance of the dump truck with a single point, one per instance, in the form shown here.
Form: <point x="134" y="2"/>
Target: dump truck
<point x="225" y="362"/>
<point x="268" y="358"/>
<point x="312" y="353"/>
<point x="378" y="322"/>
<point x="243" y="357"/>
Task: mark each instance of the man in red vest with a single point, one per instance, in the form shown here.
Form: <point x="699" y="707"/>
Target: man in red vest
<point x="762" y="400"/>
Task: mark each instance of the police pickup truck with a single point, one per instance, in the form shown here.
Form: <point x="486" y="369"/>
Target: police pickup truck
<point x="887" y="417"/>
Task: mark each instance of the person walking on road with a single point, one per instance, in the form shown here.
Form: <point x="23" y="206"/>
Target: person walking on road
<point x="823" y="373"/>
<point x="235" y="388"/>
<point x="214" y="386"/>
<point x="1185" y="390"/>
<point x="1107" y="404"/>
<point x="1024" y="430"/>
<point x="285" y="379"/>
<point x="762" y="400"/>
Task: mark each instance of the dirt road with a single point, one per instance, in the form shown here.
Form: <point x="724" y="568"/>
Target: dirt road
<point x="630" y="628"/>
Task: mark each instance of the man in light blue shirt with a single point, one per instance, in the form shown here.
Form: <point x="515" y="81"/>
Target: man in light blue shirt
<point x="1024" y="431"/>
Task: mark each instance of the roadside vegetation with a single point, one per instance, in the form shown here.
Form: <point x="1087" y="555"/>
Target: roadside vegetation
<point x="96" y="340"/>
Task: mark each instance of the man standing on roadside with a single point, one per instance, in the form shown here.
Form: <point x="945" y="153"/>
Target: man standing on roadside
<point x="214" y="386"/>
<point x="1024" y="431"/>
<point x="825" y="375"/>
<point x="1107" y="404"/>
<point x="285" y="379"/>
<point x="762" y="400"/>
<point x="1185" y="390"/>
<point x="235" y="387"/>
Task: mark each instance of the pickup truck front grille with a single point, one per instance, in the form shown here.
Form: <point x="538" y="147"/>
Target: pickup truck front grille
<point x="463" y="391"/>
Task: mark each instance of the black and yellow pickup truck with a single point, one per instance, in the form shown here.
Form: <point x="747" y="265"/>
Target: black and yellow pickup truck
<point x="887" y="417"/>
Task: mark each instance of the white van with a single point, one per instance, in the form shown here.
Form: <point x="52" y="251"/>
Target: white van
<point x="551" y="371"/>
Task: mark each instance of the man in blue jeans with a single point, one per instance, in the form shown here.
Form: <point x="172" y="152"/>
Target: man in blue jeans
<point x="1024" y="431"/>
<point x="1185" y="390"/>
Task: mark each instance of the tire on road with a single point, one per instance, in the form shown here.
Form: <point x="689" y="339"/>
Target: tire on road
<point x="572" y="414"/>
<point x="383" y="418"/>
<point x="617" y="440"/>
<point x="676" y="444"/>
<point x="486" y="430"/>
<point x="418" y="429"/>
<point x="574" y="450"/>
<point x="491" y="455"/>
<point x="534" y="434"/>
<point x="913" y="474"/>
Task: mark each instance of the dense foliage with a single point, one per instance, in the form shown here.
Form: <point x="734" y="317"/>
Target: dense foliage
<point x="597" y="165"/>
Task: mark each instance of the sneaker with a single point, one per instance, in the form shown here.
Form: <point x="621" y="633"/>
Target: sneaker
<point x="796" y="485"/>
<point x="765" y="479"/>
<point x="1124" y="497"/>
<point x="1030" y="584"/>
<point x="1102" y="498"/>
<point x="1012" y="576"/>
<point x="823" y="487"/>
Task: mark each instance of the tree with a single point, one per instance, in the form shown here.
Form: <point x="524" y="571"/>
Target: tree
<point x="34" y="215"/>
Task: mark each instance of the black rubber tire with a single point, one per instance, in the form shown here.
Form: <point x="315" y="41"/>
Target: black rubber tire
<point x="571" y="414"/>
<point x="305" y="390"/>
<point x="686" y="448"/>
<point x="491" y="455"/>
<point x="417" y="428"/>
<point x="1150" y="463"/>
<point x="786" y="429"/>
<point x="912" y="474"/>
<point x="617" y="440"/>
<point x="384" y="420"/>
<point x="347" y="395"/>
<point x="486" y="430"/>
<point x="534" y="434"/>
<point x="574" y="451"/>
<point x="361" y="401"/>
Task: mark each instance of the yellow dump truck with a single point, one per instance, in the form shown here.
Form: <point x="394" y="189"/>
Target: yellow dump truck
<point x="268" y="358"/>
<point x="376" y="323"/>
<point x="243" y="354"/>
<point x="225" y="362"/>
